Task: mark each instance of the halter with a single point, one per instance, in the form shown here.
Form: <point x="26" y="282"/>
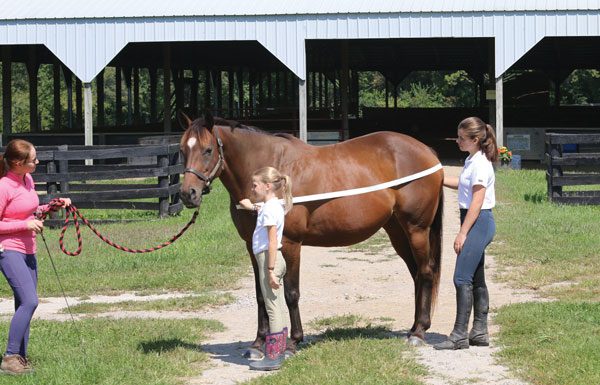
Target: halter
<point x="216" y="169"/>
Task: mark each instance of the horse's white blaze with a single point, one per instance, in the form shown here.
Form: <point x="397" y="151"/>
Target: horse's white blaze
<point x="191" y="143"/>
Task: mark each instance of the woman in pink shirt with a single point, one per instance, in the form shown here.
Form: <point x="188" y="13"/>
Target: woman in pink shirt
<point x="18" y="227"/>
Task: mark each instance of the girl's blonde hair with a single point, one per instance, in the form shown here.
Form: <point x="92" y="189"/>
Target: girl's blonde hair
<point x="279" y="181"/>
<point x="474" y="127"/>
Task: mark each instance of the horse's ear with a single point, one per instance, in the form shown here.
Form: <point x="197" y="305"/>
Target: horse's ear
<point x="209" y="121"/>
<point x="183" y="120"/>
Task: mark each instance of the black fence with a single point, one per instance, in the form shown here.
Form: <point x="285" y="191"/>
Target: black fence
<point x="573" y="160"/>
<point x="110" y="182"/>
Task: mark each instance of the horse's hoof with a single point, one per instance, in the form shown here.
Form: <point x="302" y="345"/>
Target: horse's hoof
<point x="415" y="341"/>
<point x="253" y="354"/>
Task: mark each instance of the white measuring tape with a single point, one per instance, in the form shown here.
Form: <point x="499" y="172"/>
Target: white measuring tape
<point x="362" y="190"/>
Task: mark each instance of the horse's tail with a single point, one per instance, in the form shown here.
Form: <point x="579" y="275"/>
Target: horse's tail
<point x="435" y="247"/>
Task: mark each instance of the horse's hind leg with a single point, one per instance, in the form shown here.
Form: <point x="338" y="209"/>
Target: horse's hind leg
<point x="291" y="282"/>
<point x="401" y="244"/>
<point x="255" y="350"/>
<point x="424" y="284"/>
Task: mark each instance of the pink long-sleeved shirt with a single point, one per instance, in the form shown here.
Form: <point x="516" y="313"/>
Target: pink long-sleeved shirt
<point x="18" y="202"/>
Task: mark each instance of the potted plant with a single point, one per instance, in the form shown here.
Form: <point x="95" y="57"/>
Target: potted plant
<point x="505" y="155"/>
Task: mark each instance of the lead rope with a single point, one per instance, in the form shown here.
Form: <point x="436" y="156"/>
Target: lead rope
<point x="56" y="204"/>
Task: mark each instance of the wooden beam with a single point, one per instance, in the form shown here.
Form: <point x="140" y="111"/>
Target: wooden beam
<point x="137" y="116"/>
<point x="344" y="82"/>
<point x="230" y="91"/>
<point x="118" y="97"/>
<point x="56" y="89"/>
<point x="240" y="82"/>
<point x="68" y="75"/>
<point x="167" y="88"/>
<point x="127" y="78"/>
<point x="6" y="90"/>
<point x="100" y="98"/>
<point x="78" y="104"/>
<point x="32" y="70"/>
<point x="153" y="94"/>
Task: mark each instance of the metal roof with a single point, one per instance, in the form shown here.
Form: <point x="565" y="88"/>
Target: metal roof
<point x="87" y="35"/>
<point x="87" y="9"/>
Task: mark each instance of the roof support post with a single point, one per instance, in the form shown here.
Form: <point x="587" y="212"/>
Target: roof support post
<point x="344" y="82"/>
<point x="88" y="119"/>
<point x="167" y="88"/>
<point x="56" y="94"/>
<point x="32" y="69"/>
<point x="100" y="98"/>
<point x="499" y="111"/>
<point x="303" y="132"/>
<point x="6" y="92"/>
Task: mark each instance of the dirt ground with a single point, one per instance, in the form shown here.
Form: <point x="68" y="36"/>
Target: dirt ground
<point x="336" y="281"/>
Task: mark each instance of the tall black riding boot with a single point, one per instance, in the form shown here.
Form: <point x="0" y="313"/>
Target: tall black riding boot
<point x="479" y="333"/>
<point x="458" y="339"/>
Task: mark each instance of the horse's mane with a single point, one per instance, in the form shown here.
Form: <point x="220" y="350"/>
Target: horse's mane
<point x="199" y="123"/>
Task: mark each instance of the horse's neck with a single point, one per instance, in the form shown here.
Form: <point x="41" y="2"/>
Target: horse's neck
<point x="244" y="153"/>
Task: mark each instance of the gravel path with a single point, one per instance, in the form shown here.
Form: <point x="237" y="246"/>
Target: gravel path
<point x="336" y="281"/>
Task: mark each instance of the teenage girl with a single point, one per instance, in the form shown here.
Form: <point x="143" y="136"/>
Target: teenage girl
<point x="476" y="198"/>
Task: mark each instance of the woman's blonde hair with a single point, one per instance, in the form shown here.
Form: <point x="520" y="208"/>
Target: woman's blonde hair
<point x="279" y="181"/>
<point x="17" y="150"/>
<point x="474" y="127"/>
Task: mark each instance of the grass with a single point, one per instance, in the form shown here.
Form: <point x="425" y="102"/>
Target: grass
<point x="107" y="352"/>
<point x="555" y="250"/>
<point x="209" y="256"/>
<point x="361" y="355"/>
<point x="555" y="343"/>
<point x="540" y="243"/>
<point x="182" y="304"/>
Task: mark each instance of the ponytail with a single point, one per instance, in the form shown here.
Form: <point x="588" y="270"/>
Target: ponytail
<point x="287" y="193"/>
<point x="489" y="146"/>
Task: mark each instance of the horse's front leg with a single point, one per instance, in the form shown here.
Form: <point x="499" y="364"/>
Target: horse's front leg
<point x="291" y="281"/>
<point x="255" y="351"/>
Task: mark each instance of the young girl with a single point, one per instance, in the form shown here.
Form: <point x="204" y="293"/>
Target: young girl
<point x="266" y="244"/>
<point x="18" y="227"/>
<point x="476" y="198"/>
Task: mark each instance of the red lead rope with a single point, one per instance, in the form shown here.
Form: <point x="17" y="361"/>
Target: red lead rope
<point x="56" y="204"/>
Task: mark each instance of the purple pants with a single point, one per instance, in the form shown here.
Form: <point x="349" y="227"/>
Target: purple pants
<point x="20" y="271"/>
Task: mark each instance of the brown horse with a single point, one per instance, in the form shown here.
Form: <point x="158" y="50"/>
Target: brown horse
<point x="410" y="213"/>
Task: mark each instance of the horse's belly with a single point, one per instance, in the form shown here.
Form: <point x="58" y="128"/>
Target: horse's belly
<point x="336" y="235"/>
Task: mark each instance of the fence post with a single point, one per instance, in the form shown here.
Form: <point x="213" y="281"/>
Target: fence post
<point x="163" y="182"/>
<point x="51" y="187"/>
<point x="63" y="169"/>
<point x="174" y="178"/>
<point x="555" y="151"/>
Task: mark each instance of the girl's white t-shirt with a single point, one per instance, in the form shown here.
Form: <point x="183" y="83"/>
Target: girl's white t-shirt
<point x="270" y="214"/>
<point x="478" y="170"/>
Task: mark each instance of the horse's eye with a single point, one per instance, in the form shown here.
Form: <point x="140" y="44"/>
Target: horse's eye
<point x="208" y="151"/>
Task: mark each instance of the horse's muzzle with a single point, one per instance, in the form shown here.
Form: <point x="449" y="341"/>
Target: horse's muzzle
<point x="191" y="198"/>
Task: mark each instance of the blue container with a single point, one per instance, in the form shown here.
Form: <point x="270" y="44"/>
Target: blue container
<point x="515" y="162"/>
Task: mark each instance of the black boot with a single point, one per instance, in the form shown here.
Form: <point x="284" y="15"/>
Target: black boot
<point x="479" y="333"/>
<point x="458" y="339"/>
<point x="275" y="345"/>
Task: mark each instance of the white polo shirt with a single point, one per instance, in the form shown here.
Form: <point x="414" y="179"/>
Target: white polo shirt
<point x="270" y="214"/>
<point x="478" y="170"/>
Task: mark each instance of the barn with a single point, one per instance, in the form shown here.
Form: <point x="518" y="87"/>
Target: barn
<point x="294" y="66"/>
